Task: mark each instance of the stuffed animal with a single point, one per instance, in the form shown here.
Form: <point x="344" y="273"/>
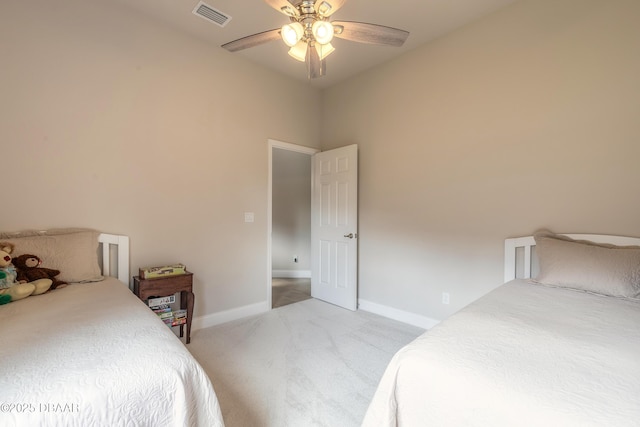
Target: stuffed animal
<point x="8" y="284"/>
<point x="29" y="269"/>
<point x="4" y="298"/>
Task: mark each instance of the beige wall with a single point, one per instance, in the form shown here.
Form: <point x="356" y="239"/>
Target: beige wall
<point x="112" y="121"/>
<point x="526" y="119"/>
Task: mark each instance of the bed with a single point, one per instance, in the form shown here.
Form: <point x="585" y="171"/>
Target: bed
<point x="92" y="353"/>
<point x="560" y="349"/>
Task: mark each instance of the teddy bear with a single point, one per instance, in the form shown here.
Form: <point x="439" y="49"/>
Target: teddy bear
<point x="28" y="267"/>
<point x="8" y="284"/>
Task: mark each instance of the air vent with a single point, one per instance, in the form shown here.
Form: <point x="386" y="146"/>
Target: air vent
<point x="207" y="12"/>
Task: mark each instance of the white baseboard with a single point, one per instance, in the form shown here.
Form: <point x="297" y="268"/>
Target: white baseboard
<point x="399" y="315"/>
<point x="291" y="274"/>
<point x="202" y="322"/>
<point x="214" y="319"/>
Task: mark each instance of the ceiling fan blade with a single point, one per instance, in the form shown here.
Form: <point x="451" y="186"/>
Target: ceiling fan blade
<point x="369" y="33"/>
<point x="252" y="40"/>
<point x="283" y="6"/>
<point x="315" y="67"/>
<point x="328" y="7"/>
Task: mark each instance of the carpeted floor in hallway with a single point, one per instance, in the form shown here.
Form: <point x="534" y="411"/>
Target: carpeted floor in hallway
<point x="285" y="291"/>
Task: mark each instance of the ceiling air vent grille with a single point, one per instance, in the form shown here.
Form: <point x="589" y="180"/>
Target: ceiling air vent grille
<point x="207" y="12"/>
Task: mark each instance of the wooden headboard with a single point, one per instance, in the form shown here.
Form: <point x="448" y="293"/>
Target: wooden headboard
<point x="116" y="265"/>
<point x="513" y="246"/>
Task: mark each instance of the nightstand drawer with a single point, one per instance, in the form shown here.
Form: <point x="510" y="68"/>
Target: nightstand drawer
<point x="164" y="286"/>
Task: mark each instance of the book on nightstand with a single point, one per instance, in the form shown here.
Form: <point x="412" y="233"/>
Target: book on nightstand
<point x="162" y="271"/>
<point x="162" y="308"/>
<point x="161" y="301"/>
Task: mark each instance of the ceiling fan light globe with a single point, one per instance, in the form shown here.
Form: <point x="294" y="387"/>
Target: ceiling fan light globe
<point x="299" y="51"/>
<point x="292" y="33"/>
<point x="322" y="31"/>
<point x="324" y="50"/>
<point x="288" y="10"/>
<point x="323" y="7"/>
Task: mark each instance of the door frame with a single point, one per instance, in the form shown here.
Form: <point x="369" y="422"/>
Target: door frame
<point x="271" y="145"/>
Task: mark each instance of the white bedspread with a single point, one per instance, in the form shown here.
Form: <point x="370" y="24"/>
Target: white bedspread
<point x="94" y="355"/>
<point x="524" y="355"/>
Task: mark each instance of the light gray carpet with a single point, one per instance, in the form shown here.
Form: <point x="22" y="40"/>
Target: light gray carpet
<point x="304" y="364"/>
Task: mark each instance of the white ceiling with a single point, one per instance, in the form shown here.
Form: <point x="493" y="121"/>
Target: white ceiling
<point x="424" y="19"/>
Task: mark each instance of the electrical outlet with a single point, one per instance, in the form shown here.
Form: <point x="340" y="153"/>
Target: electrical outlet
<point x="445" y="298"/>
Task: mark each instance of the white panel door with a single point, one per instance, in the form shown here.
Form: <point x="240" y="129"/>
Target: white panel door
<point x="334" y="227"/>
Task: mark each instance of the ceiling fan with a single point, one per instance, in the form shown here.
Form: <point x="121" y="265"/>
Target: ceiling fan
<point x="309" y="32"/>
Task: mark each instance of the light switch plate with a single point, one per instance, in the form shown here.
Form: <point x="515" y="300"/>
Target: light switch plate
<point x="248" y="217"/>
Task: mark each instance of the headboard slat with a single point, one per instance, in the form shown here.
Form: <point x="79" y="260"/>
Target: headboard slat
<point x="122" y="246"/>
<point x="106" y="261"/>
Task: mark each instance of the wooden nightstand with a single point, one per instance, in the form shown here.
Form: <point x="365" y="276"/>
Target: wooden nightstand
<point x="166" y="286"/>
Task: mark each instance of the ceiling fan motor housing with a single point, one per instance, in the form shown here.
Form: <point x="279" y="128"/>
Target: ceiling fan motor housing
<point x="307" y="16"/>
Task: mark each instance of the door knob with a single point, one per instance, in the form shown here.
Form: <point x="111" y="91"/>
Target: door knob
<point x="350" y="235"/>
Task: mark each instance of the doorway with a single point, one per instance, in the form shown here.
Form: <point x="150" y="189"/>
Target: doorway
<point x="289" y="223"/>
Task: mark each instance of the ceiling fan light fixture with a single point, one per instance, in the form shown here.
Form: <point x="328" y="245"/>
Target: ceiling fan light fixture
<point x="289" y="11"/>
<point x="323" y="7"/>
<point x="308" y="34"/>
<point x="292" y="33"/>
<point x="324" y="50"/>
<point x="322" y="31"/>
<point x="299" y="51"/>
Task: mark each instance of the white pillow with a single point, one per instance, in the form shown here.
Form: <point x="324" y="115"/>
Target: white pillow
<point x="588" y="266"/>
